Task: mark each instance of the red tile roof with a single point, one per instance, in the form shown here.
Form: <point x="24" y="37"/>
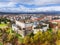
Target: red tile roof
<point x="55" y="21"/>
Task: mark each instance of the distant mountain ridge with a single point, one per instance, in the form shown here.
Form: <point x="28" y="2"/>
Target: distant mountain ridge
<point x="46" y="13"/>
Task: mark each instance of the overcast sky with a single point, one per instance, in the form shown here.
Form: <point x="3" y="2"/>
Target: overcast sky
<point x="29" y="5"/>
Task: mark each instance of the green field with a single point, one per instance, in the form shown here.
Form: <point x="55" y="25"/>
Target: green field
<point x="2" y="25"/>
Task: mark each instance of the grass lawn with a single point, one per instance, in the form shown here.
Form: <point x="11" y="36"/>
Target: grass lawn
<point x="2" y="25"/>
<point x="1" y="43"/>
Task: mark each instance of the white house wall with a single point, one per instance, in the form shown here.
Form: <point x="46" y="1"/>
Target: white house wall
<point x="22" y="25"/>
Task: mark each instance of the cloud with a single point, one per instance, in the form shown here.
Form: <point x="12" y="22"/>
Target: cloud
<point x="22" y="8"/>
<point x="37" y="2"/>
<point x="7" y="4"/>
<point x="21" y="5"/>
<point x="34" y="2"/>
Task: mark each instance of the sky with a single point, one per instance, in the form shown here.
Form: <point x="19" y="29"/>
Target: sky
<point x="29" y="5"/>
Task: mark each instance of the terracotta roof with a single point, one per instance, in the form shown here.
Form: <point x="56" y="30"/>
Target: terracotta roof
<point x="55" y="21"/>
<point x="39" y="18"/>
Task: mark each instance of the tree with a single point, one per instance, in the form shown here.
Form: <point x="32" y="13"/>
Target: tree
<point x="27" y="40"/>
